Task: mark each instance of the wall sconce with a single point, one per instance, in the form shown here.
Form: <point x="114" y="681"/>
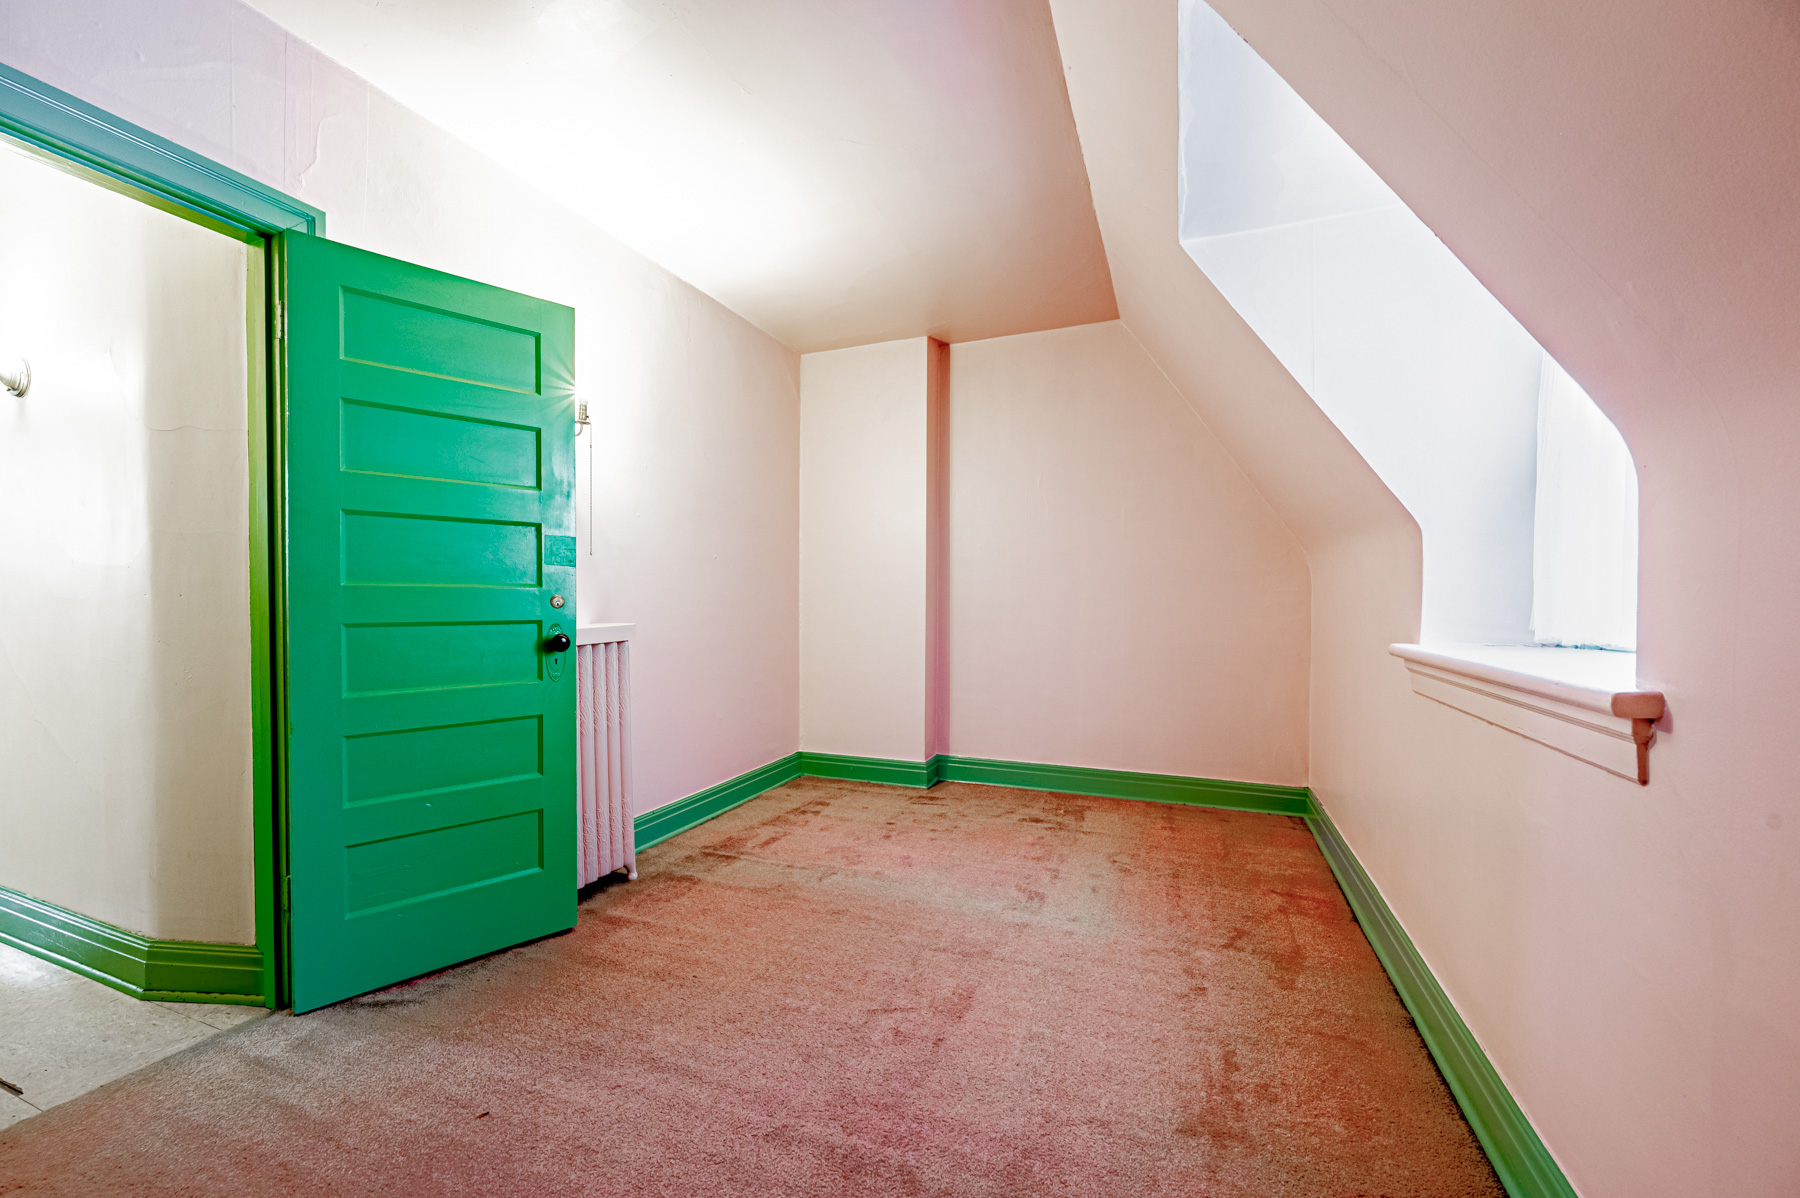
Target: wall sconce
<point x="17" y="377"/>
<point x="581" y="419"/>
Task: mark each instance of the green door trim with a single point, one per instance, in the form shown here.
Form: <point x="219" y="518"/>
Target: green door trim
<point x="76" y="136"/>
<point x="137" y="161"/>
<point x="164" y="970"/>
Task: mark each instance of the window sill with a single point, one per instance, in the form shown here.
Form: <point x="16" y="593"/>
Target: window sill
<point x="1582" y="702"/>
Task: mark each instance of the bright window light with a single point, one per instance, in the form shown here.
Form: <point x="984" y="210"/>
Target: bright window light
<point x="1525" y="494"/>
<point x="1584" y="577"/>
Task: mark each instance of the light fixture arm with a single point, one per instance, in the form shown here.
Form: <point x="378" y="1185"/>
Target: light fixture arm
<point x="17" y="379"/>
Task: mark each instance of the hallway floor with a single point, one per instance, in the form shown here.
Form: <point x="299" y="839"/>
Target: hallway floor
<point x="842" y="988"/>
<point x="62" y="1035"/>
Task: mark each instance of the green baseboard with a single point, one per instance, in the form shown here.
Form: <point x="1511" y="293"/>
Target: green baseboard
<point x="165" y="970"/>
<point x="1524" y="1165"/>
<point x="654" y="827"/>
<point x="922" y="774"/>
<point x="1065" y="779"/>
<point x="172" y="177"/>
<point x="1126" y="784"/>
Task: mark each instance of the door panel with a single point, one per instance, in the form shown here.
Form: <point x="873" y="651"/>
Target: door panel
<point x="431" y="754"/>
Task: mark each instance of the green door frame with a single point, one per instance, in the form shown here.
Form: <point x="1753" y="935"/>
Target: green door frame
<point x="76" y="136"/>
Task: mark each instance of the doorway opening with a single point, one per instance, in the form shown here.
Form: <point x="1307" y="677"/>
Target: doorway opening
<point x="137" y="782"/>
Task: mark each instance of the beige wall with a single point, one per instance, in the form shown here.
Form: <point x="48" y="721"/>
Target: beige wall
<point x="695" y="514"/>
<point x="1621" y="177"/>
<point x="125" y="722"/>
<point x="1120" y="595"/>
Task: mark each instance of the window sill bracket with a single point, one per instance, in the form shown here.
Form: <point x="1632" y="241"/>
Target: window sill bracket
<point x="1603" y="726"/>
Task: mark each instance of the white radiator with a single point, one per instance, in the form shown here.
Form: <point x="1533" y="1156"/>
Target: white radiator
<point x="604" y="842"/>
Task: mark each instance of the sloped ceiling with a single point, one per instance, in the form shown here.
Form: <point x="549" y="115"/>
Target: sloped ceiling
<point x="1623" y="185"/>
<point x="836" y="172"/>
<point x="1121" y="58"/>
<point x="1619" y="173"/>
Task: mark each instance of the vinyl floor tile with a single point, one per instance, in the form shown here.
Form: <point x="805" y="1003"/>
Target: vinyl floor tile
<point x="218" y="1016"/>
<point x="62" y="1034"/>
<point x="13" y="1109"/>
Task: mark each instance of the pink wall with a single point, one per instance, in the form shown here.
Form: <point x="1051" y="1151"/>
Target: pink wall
<point x="1114" y="592"/>
<point x="696" y="411"/>
<point x="868" y="574"/>
<point x="1120" y="595"/>
<point x="1621" y="177"/>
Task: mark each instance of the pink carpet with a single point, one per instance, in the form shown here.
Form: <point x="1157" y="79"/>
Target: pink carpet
<point x="842" y="989"/>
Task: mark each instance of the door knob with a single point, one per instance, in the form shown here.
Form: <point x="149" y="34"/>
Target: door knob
<point x="558" y="643"/>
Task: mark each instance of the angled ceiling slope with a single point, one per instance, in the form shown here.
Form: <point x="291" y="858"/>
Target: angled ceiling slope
<point x="837" y="173"/>
<point x="1121" y="57"/>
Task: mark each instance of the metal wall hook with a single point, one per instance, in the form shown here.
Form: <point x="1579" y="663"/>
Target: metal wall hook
<point x="18" y="379"/>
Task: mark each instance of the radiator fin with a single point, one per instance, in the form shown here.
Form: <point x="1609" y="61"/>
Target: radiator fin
<point x="605" y="842"/>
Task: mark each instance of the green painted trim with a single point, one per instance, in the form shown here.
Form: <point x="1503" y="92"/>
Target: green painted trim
<point x="165" y="970"/>
<point x="169" y="175"/>
<point x="92" y="143"/>
<point x="922" y="774"/>
<point x="264" y="570"/>
<point x="1524" y="1165"/>
<point x="654" y="827"/>
<point x="1127" y="784"/>
<point x="272" y="865"/>
<point x="1065" y="779"/>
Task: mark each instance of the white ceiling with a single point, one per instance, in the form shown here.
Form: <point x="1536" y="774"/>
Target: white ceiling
<point x="836" y="171"/>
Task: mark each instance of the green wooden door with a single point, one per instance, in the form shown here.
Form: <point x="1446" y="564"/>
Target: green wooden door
<point x="429" y="522"/>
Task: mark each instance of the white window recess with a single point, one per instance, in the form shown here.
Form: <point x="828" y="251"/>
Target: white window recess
<point x="1582" y="702"/>
<point x="1585" y="534"/>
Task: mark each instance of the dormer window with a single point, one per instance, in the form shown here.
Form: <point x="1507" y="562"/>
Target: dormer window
<point x="1524" y="492"/>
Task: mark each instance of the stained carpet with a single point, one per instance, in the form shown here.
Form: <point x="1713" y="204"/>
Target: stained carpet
<point x="842" y="989"/>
